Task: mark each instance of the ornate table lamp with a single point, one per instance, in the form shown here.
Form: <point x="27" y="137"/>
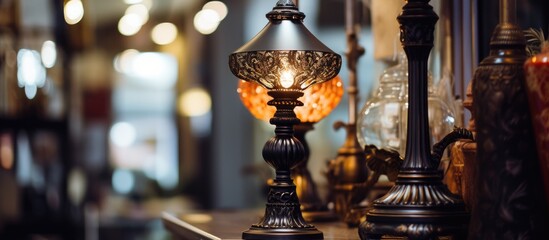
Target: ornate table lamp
<point x="286" y="59"/>
<point x="419" y="206"/>
<point x="318" y="101"/>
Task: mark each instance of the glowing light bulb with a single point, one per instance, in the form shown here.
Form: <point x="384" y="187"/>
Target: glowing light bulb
<point x="287" y="79"/>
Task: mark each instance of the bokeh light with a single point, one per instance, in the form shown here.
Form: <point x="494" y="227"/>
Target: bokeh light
<point x="31" y="74"/>
<point x="195" y="102"/>
<point x="123" y="134"/>
<point x="164" y="33"/>
<point x="206" y="21"/>
<point x="132" y="1"/>
<point x="123" y="181"/>
<point x="123" y="61"/>
<point x="219" y="7"/>
<point x="140" y="10"/>
<point x="49" y="54"/>
<point x="129" y="24"/>
<point x="73" y="11"/>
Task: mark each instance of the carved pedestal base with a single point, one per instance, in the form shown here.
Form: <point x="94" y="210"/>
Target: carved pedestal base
<point x="415" y="210"/>
<point x="282" y="219"/>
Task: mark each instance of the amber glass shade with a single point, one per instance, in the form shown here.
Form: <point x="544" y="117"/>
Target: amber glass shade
<point x="319" y="100"/>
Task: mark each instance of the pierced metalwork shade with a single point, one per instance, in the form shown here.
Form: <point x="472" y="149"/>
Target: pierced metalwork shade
<point x="318" y="100"/>
<point x="285" y="55"/>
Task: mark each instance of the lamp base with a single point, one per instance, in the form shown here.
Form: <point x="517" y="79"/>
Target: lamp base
<point x="280" y="234"/>
<point x="417" y="209"/>
<point x="283" y="218"/>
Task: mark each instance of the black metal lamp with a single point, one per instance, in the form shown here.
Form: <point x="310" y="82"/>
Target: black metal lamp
<point x="419" y="206"/>
<point x="285" y="58"/>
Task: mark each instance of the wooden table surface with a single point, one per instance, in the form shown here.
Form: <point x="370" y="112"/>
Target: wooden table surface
<point x="230" y="224"/>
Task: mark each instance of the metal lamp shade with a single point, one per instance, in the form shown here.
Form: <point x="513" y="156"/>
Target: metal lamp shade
<point x="285" y="49"/>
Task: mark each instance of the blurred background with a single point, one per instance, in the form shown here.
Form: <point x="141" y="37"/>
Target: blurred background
<point x="112" y="111"/>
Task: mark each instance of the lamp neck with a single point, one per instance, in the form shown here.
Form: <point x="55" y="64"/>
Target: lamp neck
<point x="285" y="118"/>
<point x="284" y="151"/>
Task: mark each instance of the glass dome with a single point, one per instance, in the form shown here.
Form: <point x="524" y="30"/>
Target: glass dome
<point x="383" y="119"/>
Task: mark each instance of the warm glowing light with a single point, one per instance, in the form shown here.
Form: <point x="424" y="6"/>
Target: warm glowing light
<point x="206" y="21"/>
<point x="140" y="10"/>
<point x="49" y="54"/>
<point x="129" y="24"/>
<point x="318" y="100"/>
<point x="73" y="11"/>
<point x="195" y="102"/>
<point x="123" y="134"/>
<point x="219" y="7"/>
<point x="164" y="33"/>
<point x="123" y="61"/>
<point x="287" y="79"/>
<point x="123" y="181"/>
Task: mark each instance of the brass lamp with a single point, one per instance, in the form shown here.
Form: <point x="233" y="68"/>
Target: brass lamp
<point x="286" y="59"/>
<point x="318" y="101"/>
